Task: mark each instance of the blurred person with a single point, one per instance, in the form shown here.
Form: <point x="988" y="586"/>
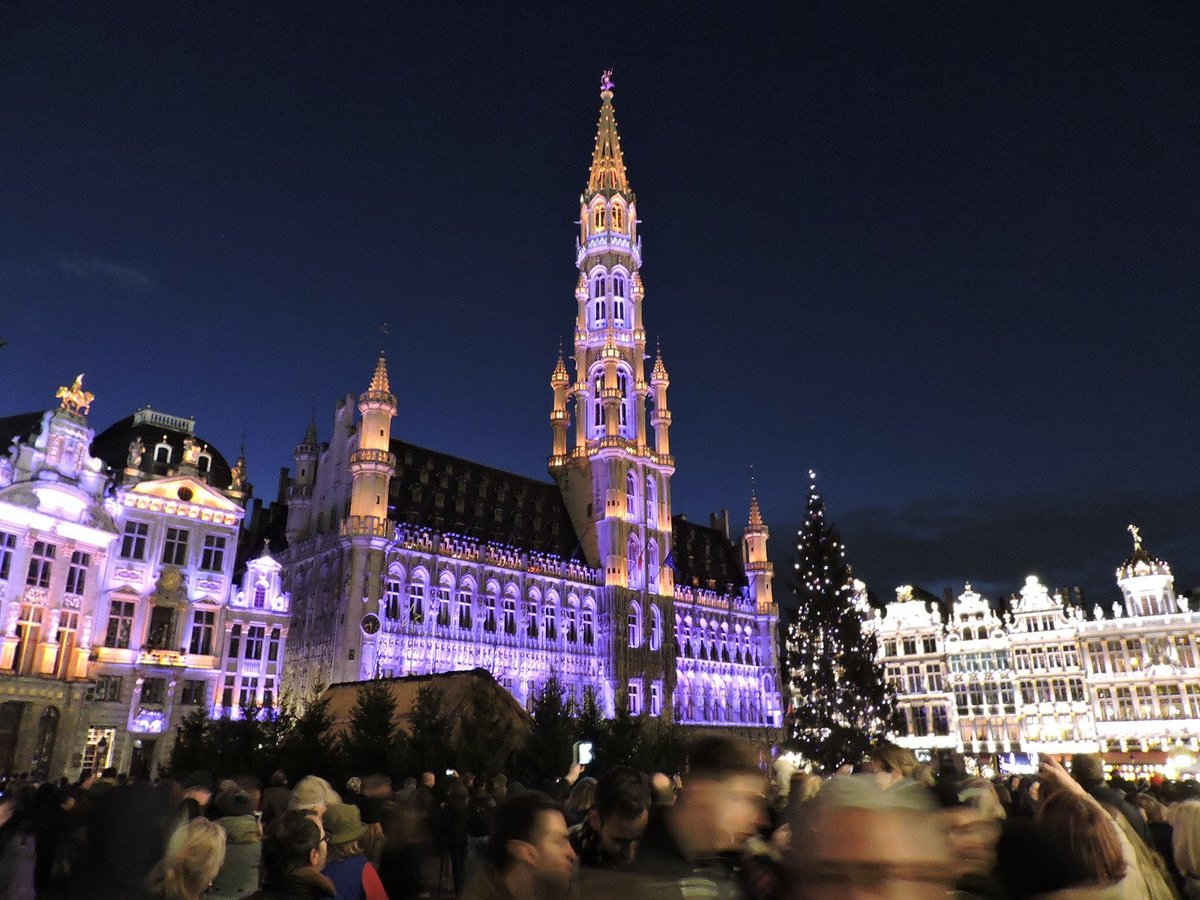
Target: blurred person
<point x="580" y="800"/>
<point x="276" y="797"/>
<point x="480" y="813"/>
<point x="691" y="849"/>
<point x="233" y="810"/>
<point x="1185" y="846"/>
<point x="353" y="876"/>
<point x="1088" y="770"/>
<point x="857" y="839"/>
<point x="1094" y="842"/>
<point x="312" y="792"/>
<point x="530" y="854"/>
<point x="609" y="834"/>
<point x="193" y="858"/>
<point x="500" y="787"/>
<point x="455" y="831"/>
<point x="662" y="788"/>
<point x="294" y="851"/>
<point x="376" y="804"/>
<point x="891" y="764"/>
<point x="1161" y="833"/>
<point x="980" y="794"/>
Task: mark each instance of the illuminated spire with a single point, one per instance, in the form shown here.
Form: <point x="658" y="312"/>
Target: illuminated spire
<point x="658" y="375"/>
<point x="379" y="381"/>
<point x="559" y="376"/>
<point x="608" y="167"/>
<point x="755" y="514"/>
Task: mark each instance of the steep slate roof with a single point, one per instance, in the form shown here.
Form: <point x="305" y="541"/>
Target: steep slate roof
<point x="25" y="426"/>
<point x="704" y="557"/>
<point x="112" y="446"/>
<point x="451" y="494"/>
<point x="456" y="690"/>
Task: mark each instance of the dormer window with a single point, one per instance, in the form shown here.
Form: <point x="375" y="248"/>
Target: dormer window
<point x="162" y="453"/>
<point x="204" y="464"/>
<point x="260" y="596"/>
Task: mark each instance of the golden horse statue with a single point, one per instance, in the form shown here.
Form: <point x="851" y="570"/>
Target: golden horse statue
<point x="74" y="398"/>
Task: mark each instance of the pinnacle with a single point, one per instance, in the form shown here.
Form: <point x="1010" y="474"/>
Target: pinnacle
<point x="310" y="435"/>
<point x="659" y="372"/>
<point x="608" y="165"/>
<point x="756" y="520"/>
<point x="379" y="381"/>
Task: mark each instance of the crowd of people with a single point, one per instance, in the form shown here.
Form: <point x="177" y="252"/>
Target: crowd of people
<point x="723" y="828"/>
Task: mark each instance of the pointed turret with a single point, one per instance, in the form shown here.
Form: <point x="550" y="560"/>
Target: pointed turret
<point x="372" y="464"/>
<point x="310" y="435"/>
<point x="379" y="381"/>
<point x="559" y="380"/>
<point x="608" y="167"/>
<point x="300" y="486"/>
<point x="756" y="520"/>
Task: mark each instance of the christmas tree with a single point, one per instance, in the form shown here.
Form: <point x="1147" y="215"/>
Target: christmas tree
<point x="841" y="701"/>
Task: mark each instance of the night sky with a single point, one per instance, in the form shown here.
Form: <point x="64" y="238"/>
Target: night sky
<point x="946" y="257"/>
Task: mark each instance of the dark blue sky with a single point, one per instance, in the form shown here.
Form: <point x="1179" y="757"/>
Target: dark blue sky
<point x="945" y="256"/>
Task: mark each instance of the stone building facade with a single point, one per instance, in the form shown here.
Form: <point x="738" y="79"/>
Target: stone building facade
<point x="403" y="560"/>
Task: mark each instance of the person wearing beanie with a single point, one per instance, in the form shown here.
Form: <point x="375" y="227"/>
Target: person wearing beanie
<point x="347" y="867"/>
<point x="239" y="872"/>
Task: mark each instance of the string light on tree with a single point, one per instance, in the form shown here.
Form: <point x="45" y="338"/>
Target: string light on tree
<point x="841" y="702"/>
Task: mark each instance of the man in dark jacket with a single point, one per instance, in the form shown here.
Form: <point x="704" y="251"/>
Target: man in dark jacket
<point x="294" y="851"/>
<point x="693" y="848"/>
<point x="530" y="850"/>
<point x="609" y="835"/>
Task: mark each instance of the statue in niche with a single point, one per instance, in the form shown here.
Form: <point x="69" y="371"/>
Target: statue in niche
<point x="238" y="474"/>
<point x="136" y="451"/>
<point x="191" y="451"/>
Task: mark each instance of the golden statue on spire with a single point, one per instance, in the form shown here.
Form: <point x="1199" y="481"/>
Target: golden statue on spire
<point x="74" y="398"/>
<point x="1137" y="536"/>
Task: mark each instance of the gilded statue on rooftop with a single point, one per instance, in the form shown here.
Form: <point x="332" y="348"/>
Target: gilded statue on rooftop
<point x="74" y="398"/>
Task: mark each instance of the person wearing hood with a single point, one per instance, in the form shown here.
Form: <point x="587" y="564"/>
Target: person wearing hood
<point x="243" y="846"/>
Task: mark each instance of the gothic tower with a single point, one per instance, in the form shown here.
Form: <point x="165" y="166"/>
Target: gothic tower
<point x="615" y="475"/>
<point x="372" y="466"/>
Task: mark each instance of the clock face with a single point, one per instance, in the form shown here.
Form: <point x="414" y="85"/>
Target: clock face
<point x="370" y="623"/>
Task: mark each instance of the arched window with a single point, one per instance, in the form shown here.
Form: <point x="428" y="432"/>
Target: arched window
<point x="445" y="591"/>
<point x="510" y="613"/>
<point x="466" y="599"/>
<point x="597" y="402"/>
<point x="598" y="300"/>
<point x="656" y="628"/>
<point x="571" y="620"/>
<point x="391" y="598"/>
<point x="618" y="285"/>
<point x="652" y="576"/>
<point x="550" y="618"/>
<point x="416" y="600"/>
<point x="587" y="624"/>
<point x="162" y="453"/>
<point x="630" y="494"/>
<point x="618" y="217"/>
<point x="635" y="625"/>
<point x="598" y="217"/>
<point x="531" y="616"/>
<point x="635" y="563"/>
<point x="204" y="464"/>
<point x="651" y="502"/>
<point x="623" y="387"/>
<point x="489" y="608"/>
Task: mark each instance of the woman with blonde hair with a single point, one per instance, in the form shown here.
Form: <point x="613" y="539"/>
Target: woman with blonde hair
<point x="193" y="858"/>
